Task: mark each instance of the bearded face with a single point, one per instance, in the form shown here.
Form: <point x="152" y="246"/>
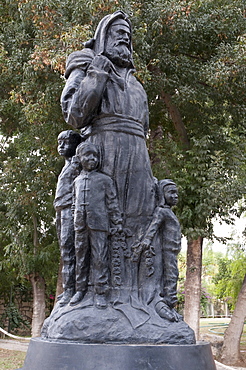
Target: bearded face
<point x="118" y="44"/>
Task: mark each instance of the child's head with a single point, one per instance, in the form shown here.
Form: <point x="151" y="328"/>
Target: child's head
<point x="68" y="142"/>
<point x="170" y="192"/>
<point x="88" y="155"/>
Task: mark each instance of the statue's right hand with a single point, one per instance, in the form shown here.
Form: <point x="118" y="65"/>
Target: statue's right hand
<point x="102" y="62"/>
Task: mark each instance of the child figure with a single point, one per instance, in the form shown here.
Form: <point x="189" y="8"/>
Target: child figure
<point x="95" y="208"/>
<point x="167" y="223"/>
<point x="67" y="144"/>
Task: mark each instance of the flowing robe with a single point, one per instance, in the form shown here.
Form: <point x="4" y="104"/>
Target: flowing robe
<point x="113" y="112"/>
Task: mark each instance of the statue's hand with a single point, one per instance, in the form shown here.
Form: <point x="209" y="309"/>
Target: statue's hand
<point x="102" y="62"/>
<point x="145" y="244"/>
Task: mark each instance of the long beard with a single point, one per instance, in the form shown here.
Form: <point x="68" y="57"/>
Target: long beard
<point x="119" y="55"/>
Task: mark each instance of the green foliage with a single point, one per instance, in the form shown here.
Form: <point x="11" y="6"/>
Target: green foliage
<point x="194" y="52"/>
<point x="30" y="122"/>
<point x="28" y="185"/>
<point x="231" y="272"/>
<point x="222" y="275"/>
<point x="12" y="293"/>
<point x="13" y="317"/>
<point x="205" y="299"/>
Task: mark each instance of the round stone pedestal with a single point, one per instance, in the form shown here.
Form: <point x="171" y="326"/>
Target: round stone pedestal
<point x="61" y="355"/>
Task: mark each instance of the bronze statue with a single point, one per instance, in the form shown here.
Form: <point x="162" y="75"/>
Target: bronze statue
<point x="104" y="99"/>
<point x="67" y="143"/>
<point x="118" y="308"/>
<point x="127" y="239"/>
<point x="95" y="209"/>
<point x="166" y="223"/>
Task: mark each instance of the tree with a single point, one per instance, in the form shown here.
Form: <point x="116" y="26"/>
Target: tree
<point x="231" y="347"/>
<point x="231" y="271"/>
<point x="32" y="248"/>
<point x="28" y="162"/>
<point x="230" y="282"/>
<point x="194" y="57"/>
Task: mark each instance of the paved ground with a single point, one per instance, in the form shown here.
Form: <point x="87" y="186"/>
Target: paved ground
<point x="224" y="367"/>
<point x="14" y="344"/>
<point x="23" y="345"/>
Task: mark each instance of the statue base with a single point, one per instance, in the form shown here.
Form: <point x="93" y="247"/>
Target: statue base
<point x="118" y="323"/>
<point x="62" y="355"/>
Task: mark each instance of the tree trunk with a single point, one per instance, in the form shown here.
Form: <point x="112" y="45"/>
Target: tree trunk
<point x="193" y="284"/>
<point x="59" y="287"/>
<point x="38" y="315"/>
<point x="176" y="119"/>
<point x="231" y="347"/>
<point x="38" y="289"/>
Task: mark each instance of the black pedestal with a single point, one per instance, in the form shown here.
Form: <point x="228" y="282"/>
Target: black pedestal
<point x="51" y="355"/>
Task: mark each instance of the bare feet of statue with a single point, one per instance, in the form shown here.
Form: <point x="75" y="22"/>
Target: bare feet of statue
<point x="100" y="301"/>
<point x="77" y="298"/>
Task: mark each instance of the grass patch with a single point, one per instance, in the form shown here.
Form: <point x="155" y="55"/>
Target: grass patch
<point x="11" y="360"/>
<point x="214" y="326"/>
<point x="218" y="326"/>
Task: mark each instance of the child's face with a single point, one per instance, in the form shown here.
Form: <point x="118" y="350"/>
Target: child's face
<point x="89" y="159"/>
<point x="65" y="148"/>
<point x="171" y="195"/>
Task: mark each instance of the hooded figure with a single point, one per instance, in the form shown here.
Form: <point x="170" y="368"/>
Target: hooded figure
<point x="104" y="99"/>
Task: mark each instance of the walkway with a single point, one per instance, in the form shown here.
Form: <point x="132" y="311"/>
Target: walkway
<point x="14" y="345"/>
<point x="220" y="366"/>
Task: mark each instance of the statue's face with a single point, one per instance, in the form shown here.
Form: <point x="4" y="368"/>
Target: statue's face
<point x="66" y="147"/>
<point x="89" y="159"/>
<point x="118" y="43"/>
<point x="119" y="34"/>
<point x="171" y="195"/>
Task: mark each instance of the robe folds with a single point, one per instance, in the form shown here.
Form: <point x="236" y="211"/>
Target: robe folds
<point x="113" y="114"/>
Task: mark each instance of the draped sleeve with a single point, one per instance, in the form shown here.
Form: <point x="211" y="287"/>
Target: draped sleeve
<point x="82" y="93"/>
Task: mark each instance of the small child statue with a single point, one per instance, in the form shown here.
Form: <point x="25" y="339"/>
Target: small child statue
<point x="67" y="144"/>
<point x="165" y="221"/>
<point x="95" y="210"/>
